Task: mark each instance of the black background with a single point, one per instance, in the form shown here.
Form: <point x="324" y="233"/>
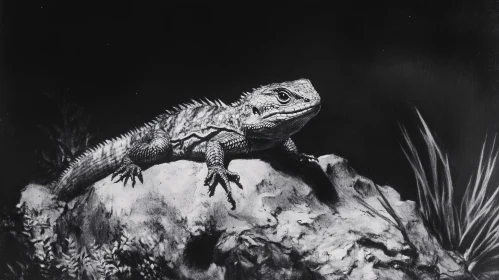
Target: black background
<point x="371" y="61"/>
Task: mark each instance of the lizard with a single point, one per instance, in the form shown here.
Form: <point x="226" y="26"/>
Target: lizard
<point x="200" y="130"/>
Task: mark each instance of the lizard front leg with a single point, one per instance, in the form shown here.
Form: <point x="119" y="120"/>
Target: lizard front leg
<point x="215" y="150"/>
<point x="290" y="147"/>
<point x="322" y="186"/>
<point x="150" y="148"/>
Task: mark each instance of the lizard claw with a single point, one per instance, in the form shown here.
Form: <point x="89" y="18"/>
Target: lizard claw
<point x="136" y="173"/>
<point x="216" y="174"/>
<point x="118" y="171"/>
<point x="308" y="158"/>
<point x="128" y="172"/>
<point x="233" y="176"/>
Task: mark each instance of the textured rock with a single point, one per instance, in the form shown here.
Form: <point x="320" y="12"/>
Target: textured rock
<point x="278" y="231"/>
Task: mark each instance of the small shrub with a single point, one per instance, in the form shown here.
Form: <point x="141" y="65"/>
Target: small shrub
<point x="68" y="139"/>
<point x="471" y="226"/>
<point x="43" y="256"/>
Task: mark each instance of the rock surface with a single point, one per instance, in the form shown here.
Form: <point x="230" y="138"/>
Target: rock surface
<point x="278" y="231"/>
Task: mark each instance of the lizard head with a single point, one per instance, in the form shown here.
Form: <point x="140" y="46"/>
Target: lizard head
<point x="279" y="110"/>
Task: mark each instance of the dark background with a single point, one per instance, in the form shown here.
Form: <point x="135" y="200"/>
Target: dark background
<point x="371" y="61"/>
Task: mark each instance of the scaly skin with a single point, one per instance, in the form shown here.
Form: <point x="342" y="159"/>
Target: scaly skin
<point x="206" y="130"/>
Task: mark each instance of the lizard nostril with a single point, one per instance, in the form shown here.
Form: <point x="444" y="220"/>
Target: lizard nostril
<point x="307" y="100"/>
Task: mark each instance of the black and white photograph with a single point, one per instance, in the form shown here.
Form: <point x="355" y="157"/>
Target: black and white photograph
<point x="245" y="140"/>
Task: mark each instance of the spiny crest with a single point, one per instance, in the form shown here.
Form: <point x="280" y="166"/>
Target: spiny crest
<point x="241" y="99"/>
<point x="196" y="103"/>
<point x="245" y="95"/>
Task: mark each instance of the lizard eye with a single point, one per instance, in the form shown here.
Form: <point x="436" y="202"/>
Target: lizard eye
<point x="282" y="96"/>
<point x="256" y="111"/>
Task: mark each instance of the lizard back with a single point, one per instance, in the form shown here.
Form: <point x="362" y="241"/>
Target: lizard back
<point x="190" y="128"/>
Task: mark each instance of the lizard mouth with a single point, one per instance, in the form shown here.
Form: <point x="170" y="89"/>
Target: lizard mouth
<point x="295" y="112"/>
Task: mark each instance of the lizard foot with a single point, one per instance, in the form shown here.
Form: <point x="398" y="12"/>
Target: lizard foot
<point x="308" y="158"/>
<point x="128" y="171"/>
<point x="216" y="174"/>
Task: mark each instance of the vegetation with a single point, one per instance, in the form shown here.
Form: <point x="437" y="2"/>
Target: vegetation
<point x="51" y="258"/>
<point x="69" y="138"/>
<point x="469" y="226"/>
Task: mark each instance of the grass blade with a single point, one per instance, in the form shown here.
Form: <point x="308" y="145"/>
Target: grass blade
<point x="473" y="228"/>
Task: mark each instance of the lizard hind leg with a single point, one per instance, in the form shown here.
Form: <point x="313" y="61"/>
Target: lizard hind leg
<point x="128" y="170"/>
<point x="152" y="148"/>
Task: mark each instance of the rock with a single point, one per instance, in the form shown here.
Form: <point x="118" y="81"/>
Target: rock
<point x="279" y="230"/>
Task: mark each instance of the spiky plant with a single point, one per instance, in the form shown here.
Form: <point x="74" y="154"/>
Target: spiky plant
<point x="69" y="138"/>
<point x="471" y="226"/>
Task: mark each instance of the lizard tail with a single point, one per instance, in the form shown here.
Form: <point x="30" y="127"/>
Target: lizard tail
<point x="94" y="164"/>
